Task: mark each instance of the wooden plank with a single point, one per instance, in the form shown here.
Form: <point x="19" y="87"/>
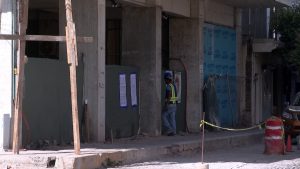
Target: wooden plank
<point x="69" y="47"/>
<point x="76" y="133"/>
<point x="74" y="43"/>
<point x="71" y="55"/>
<point x="23" y="17"/>
<point x="72" y="60"/>
<point x="47" y="38"/>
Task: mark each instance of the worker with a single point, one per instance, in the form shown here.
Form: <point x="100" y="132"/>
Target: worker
<point x="169" y="111"/>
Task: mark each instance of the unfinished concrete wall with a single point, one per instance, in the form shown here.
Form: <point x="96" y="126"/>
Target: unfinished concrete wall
<point x="6" y="67"/>
<point x="141" y="48"/>
<point x="218" y="13"/>
<point x="186" y="44"/>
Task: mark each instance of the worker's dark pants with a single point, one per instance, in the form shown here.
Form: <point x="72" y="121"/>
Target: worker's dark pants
<point x="169" y="118"/>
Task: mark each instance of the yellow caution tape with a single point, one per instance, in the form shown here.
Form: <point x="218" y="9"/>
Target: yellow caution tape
<point x="230" y="129"/>
<point x="15" y="71"/>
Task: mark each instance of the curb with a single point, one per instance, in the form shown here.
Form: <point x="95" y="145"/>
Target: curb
<point x="101" y="158"/>
<point x="154" y="152"/>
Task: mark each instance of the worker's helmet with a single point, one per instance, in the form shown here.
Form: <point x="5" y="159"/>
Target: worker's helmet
<point x="168" y="75"/>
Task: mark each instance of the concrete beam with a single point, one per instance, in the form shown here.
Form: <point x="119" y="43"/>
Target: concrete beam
<point x="257" y="3"/>
<point x="219" y="13"/>
<point x="176" y="7"/>
<point x="143" y="3"/>
<point x="264" y="45"/>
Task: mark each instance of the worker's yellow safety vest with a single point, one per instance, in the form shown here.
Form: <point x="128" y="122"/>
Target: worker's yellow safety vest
<point x="173" y="98"/>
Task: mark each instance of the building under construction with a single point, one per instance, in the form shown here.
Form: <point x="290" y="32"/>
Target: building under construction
<point x="208" y="44"/>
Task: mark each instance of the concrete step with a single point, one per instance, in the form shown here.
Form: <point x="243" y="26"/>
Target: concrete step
<point x="211" y="144"/>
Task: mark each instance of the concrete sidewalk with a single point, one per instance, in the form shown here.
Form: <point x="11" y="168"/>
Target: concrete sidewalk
<point x="126" y="151"/>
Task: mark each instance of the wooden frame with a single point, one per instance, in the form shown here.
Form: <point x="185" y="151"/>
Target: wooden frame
<point x="71" y="41"/>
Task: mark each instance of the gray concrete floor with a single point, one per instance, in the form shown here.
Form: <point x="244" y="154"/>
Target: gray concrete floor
<point x="250" y="157"/>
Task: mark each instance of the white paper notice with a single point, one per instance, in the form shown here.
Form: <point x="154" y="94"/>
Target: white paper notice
<point x="123" y="98"/>
<point x="133" y="89"/>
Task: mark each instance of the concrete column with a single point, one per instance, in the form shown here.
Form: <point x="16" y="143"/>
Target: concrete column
<point x="242" y="116"/>
<point x="247" y="85"/>
<point x="6" y="66"/>
<point x="186" y="43"/>
<point x="257" y="88"/>
<point x="101" y="70"/>
<point x="141" y="48"/>
<point x="89" y="18"/>
<point x="280" y="88"/>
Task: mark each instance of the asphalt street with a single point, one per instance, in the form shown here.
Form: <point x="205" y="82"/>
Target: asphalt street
<point x="250" y="157"/>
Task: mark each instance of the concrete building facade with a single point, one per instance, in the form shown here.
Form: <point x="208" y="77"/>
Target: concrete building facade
<point x="147" y="36"/>
<point x="267" y="76"/>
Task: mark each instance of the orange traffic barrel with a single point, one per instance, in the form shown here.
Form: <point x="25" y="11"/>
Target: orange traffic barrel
<point x="274" y="136"/>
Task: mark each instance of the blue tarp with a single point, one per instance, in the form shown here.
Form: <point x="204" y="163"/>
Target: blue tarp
<point x="220" y="59"/>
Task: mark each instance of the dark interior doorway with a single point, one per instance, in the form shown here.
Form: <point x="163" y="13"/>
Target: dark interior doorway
<point x="43" y="20"/>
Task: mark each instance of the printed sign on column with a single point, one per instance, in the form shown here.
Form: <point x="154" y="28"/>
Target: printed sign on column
<point x="133" y="90"/>
<point x="123" y="98"/>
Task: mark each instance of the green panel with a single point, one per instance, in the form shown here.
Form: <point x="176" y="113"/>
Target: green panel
<point x="47" y="104"/>
<point x="121" y="122"/>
